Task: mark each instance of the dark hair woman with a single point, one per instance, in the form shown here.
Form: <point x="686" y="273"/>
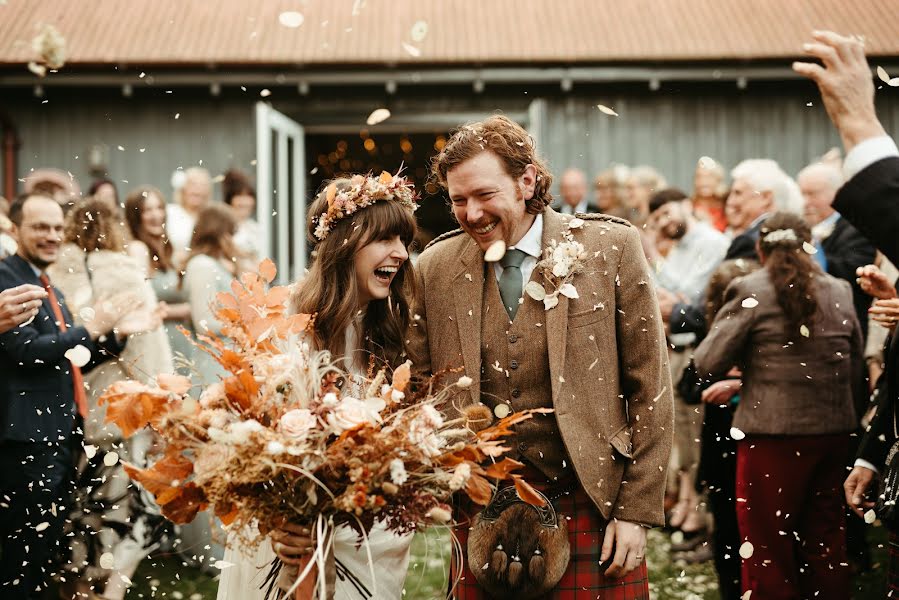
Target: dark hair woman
<point x="238" y="193"/>
<point x="792" y="330"/>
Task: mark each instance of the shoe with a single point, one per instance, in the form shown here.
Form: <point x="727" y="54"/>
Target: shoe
<point x="691" y="540"/>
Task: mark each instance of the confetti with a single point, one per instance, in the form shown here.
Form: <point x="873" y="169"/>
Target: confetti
<point x="222" y="564"/>
<point x="746" y="595"/>
<point x="291" y="18"/>
<point x="749" y="303"/>
<point x="736" y="434"/>
<point x="41" y="526"/>
<point x="411" y="50"/>
<point x="870" y="516"/>
<point x="419" y="31"/>
<point x="606" y="110"/>
<point x="111" y="459"/>
<point x="90" y="451"/>
<point x="535" y="291"/>
<point x="568" y="291"/>
<point x="495" y="252"/>
<point x="378" y="115"/>
<point x="809" y="248"/>
<point x="265" y="93"/>
<point x="79" y="355"/>
<point x="803" y="330"/>
<point x="107" y="560"/>
<point x="550" y="302"/>
<point x="746" y="550"/>
<point x="575" y="223"/>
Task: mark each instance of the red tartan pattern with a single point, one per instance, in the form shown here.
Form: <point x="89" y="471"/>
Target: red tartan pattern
<point x="584" y="579"/>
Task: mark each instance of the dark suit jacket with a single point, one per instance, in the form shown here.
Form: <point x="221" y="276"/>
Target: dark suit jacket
<point x="690" y="318"/>
<point x="870" y="201"/>
<point x="37" y="399"/>
<point x="846" y="249"/>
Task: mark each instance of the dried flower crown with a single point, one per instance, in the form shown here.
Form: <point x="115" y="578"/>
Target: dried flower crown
<point x="780" y="235"/>
<point x="364" y="191"/>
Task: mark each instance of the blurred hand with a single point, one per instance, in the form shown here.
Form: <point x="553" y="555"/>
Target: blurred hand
<point x="291" y="543"/>
<point x="19" y="304"/>
<point x="109" y="310"/>
<point x="886" y="313"/>
<point x="722" y="391"/>
<point x="846" y="85"/>
<point x="628" y="542"/>
<point x="667" y="300"/>
<point x="139" y="321"/>
<point x="874" y="283"/>
<point x="856" y="486"/>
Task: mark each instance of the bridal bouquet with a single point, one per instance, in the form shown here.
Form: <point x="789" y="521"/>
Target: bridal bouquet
<point x="286" y="436"/>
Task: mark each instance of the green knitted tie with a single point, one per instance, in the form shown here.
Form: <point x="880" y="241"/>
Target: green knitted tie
<point x="510" y="282"/>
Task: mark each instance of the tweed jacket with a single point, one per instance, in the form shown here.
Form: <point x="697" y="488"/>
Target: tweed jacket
<point x="792" y="384"/>
<point x="611" y="388"/>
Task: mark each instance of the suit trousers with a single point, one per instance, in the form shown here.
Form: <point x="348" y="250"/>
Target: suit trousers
<point x="790" y="508"/>
<point x="35" y="493"/>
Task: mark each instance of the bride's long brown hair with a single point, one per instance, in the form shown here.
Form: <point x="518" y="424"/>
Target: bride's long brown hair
<point x="329" y="289"/>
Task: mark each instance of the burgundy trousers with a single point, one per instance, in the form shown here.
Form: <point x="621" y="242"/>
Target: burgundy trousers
<point x="790" y="508"/>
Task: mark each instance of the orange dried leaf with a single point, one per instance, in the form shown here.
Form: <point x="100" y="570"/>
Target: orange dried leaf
<point x="527" y="493"/>
<point x="226" y="513"/>
<point x="479" y="490"/>
<point x="504" y="427"/>
<point x="132" y="405"/>
<point x="167" y="473"/>
<point x="402" y="375"/>
<point x="268" y="270"/>
<point x="503" y="469"/>
<point x="277" y="297"/>
<point x="177" y="384"/>
<point x="183" y="508"/>
<point x="226" y="300"/>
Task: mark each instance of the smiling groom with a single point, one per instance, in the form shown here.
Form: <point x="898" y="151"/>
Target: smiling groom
<point x="590" y="345"/>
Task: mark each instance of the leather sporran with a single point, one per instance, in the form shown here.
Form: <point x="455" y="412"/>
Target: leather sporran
<point x="885" y="506"/>
<point x="516" y="550"/>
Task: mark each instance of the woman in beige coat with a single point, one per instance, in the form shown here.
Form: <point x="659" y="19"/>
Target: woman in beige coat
<point x="792" y="330"/>
<point x="92" y="265"/>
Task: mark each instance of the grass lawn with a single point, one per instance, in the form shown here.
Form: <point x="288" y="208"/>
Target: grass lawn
<point x="164" y="576"/>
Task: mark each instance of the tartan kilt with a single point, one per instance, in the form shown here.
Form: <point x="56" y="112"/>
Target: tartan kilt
<point x="893" y="566"/>
<point x="583" y="579"/>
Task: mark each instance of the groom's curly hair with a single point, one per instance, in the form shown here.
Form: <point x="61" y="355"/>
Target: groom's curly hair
<point x="507" y="140"/>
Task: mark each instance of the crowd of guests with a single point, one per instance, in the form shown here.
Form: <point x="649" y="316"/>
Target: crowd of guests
<point x="140" y="265"/>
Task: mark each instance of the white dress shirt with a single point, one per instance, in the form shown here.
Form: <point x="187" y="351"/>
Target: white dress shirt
<point x="530" y="245"/>
<point x="581" y="207"/>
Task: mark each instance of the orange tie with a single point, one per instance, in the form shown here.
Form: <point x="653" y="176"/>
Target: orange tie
<point x="77" y="378"/>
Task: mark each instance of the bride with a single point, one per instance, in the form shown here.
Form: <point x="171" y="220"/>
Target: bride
<point x="357" y="288"/>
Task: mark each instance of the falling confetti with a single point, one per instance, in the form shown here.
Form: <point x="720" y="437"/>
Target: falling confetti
<point x="870" y="516"/>
<point x="803" y="330"/>
<point x="222" y="564"/>
<point x="41" y="526"/>
<point x="746" y="550"/>
<point x="419" y="31"/>
<point x="605" y="109"/>
<point x="495" y="252"/>
<point x="749" y="303"/>
<point x="379" y="115"/>
<point x="290" y="18"/>
<point x="746" y="595"/>
<point x="575" y="223"/>
<point x="79" y="355"/>
<point x="411" y="50"/>
<point x="884" y="77"/>
<point x="111" y="459"/>
<point x="51" y="49"/>
<point x="107" y="560"/>
<point x="737" y="434"/>
<point x="265" y="93"/>
<point x="90" y="451"/>
<point x="809" y="248"/>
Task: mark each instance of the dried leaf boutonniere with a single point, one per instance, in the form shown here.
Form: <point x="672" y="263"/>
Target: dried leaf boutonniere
<point x="561" y="262"/>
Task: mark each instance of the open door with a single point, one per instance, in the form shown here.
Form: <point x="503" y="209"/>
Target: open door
<point x="281" y="190"/>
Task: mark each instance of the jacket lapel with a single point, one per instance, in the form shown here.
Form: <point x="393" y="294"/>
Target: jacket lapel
<point x="468" y="296"/>
<point x="556" y="317"/>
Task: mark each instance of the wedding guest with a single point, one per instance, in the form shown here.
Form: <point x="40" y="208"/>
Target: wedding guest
<point x="641" y="184"/>
<point x="609" y="188"/>
<point x="105" y="190"/>
<point x="55" y="183"/>
<point x="790" y="315"/>
<point x="877" y="280"/>
<point x="40" y="430"/>
<point x="359" y="286"/>
<point x="240" y="195"/>
<point x="92" y="265"/>
<point x="597" y="358"/>
<point x="573" y="189"/>
<point x="181" y="217"/>
<point x="145" y="216"/>
<point x="710" y="192"/>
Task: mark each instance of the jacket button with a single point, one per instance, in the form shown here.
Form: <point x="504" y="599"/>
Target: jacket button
<point x="513" y="365"/>
<point x="516" y="393"/>
<point x="513" y="338"/>
<point x="522" y="447"/>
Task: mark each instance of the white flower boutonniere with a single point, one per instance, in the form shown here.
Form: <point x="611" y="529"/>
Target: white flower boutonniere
<point x="561" y="262"/>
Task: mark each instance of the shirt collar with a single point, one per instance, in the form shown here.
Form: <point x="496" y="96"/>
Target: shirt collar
<point x="530" y="243"/>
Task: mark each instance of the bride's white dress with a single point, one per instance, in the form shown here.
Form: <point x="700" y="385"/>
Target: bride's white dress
<point x="244" y="578"/>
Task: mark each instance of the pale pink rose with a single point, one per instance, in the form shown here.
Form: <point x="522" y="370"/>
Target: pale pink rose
<point x="352" y="412"/>
<point x="297" y="423"/>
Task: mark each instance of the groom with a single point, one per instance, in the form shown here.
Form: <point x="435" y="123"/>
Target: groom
<point x="597" y="358"/>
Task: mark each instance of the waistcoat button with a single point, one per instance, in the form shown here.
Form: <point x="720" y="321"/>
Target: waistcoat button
<point x="513" y="338"/>
<point x="513" y="365"/>
<point x="516" y="393"/>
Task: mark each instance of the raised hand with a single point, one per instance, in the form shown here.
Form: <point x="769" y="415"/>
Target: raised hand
<point x="874" y="283"/>
<point x="139" y="321"/>
<point x="19" y="304"/>
<point x="722" y="391"/>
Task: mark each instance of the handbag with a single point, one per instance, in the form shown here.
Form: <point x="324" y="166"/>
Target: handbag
<point x="517" y="550"/>
<point x="886" y="503"/>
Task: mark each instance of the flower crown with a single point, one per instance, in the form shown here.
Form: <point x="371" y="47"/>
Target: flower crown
<point x="780" y="235"/>
<point x="362" y="192"/>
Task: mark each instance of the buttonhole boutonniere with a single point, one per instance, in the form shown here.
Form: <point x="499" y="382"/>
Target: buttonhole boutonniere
<point x="561" y="262"/>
